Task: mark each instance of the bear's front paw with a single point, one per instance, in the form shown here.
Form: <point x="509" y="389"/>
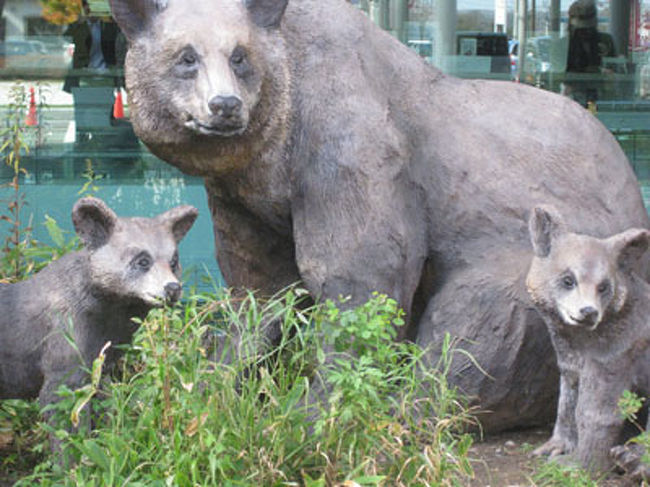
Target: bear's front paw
<point x="553" y="448"/>
<point x="628" y="458"/>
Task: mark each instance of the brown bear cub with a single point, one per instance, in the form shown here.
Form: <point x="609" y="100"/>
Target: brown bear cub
<point x="127" y="267"/>
<point x="597" y="310"/>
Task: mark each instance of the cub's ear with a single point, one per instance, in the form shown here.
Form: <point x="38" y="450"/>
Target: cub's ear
<point x="629" y="247"/>
<point x="179" y="220"/>
<point x="266" y="13"/>
<point x="544" y="225"/>
<point x="93" y="221"/>
<point x="133" y="16"/>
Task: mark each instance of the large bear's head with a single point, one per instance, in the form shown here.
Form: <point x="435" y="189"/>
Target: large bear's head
<point x="578" y="280"/>
<point x="203" y="76"/>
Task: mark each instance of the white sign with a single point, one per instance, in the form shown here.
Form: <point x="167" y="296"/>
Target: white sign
<point x="500" y="15"/>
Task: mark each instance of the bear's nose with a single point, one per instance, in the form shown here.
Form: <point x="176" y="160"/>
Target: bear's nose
<point x="172" y="291"/>
<point x="589" y="313"/>
<point x="225" y="106"/>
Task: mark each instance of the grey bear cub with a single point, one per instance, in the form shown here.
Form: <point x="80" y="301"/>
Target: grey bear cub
<point x="127" y="267"/>
<point x="597" y="310"/>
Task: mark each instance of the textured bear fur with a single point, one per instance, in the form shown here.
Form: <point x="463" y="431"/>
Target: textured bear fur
<point x="127" y="267"/>
<point x="597" y="309"/>
<point x="334" y="155"/>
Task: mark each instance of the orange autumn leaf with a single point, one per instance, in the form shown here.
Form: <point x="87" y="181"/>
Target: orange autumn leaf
<point x="61" y="12"/>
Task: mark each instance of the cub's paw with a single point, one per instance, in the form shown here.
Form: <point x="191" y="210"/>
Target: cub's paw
<point x="553" y="448"/>
<point x="628" y="458"/>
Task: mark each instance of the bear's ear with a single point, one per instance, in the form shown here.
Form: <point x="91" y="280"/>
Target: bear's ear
<point x="543" y="226"/>
<point x="133" y="16"/>
<point x="179" y="220"/>
<point x="93" y="221"/>
<point x="629" y="247"/>
<point x="266" y="13"/>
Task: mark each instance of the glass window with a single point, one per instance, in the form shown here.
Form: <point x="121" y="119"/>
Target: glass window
<point x="596" y="52"/>
<point x="68" y="55"/>
<point x="64" y="65"/>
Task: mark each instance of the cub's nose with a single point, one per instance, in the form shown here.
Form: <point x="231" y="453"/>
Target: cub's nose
<point x="589" y="314"/>
<point x="225" y="106"/>
<point x="172" y="292"/>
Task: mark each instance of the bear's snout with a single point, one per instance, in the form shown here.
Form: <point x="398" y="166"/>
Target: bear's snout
<point x="173" y="292"/>
<point x="226" y="108"/>
<point x="588" y="315"/>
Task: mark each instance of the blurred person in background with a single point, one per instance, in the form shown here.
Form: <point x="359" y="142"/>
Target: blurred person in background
<point x="586" y="49"/>
<point x="100" y="48"/>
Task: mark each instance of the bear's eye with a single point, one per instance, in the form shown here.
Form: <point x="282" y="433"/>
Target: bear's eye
<point x="174" y="262"/>
<point x="568" y="281"/>
<point x="239" y="62"/>
<point x="143" y="261"/>
<point x="187" y="64"/>
<point x="604" y="287"/>
<point x="238" y="56"/>
<point x="189" y="57"/>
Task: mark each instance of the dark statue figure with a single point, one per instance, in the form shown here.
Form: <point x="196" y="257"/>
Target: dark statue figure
<point x="334" y="155"/>
<point x="597" y="309"/>
<point x="127" y="267"/>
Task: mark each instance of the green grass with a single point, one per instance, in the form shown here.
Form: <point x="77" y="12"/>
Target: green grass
<point x="185" y="410"/>
<point x="200" y="399"/>
<point x="552" y="474"/>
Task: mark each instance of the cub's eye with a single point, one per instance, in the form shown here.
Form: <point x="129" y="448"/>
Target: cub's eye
<point x="604" y="287"/>
<point x="174" y="262"/>
<point x="238" y="56"/>
<point x="189" y="57"/>
<point x="568" y="281"/>
<point x="143" y="261"/>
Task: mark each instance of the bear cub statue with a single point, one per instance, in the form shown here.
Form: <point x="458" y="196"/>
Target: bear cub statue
<point x="126" y="267"/>
<point x="597" y="310"/>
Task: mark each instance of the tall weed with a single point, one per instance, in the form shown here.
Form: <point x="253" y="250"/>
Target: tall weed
<point x="200" y="400"/>
<point x="21" y="255"/>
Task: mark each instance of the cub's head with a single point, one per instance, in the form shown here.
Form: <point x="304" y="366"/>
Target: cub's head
<point x="197" y="70"/>
<point x="133" y="259"/>
<point x="578" y="279"/>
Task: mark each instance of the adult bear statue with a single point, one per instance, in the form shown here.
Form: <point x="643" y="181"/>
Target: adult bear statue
<point x="334" y="155"/>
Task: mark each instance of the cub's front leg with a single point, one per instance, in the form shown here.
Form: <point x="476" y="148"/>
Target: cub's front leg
<point x="565" y="437"/>
<point x="600" y="424"/>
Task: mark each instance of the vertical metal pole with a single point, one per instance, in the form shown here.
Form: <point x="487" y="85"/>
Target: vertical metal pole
<point x="619" y="24"/>
<point x="398" y="18"/>
<point x="533" y="17"/>
<point x="445" y="37"/>
<point x="555" y="17"/>
<point x="522" y="14"/>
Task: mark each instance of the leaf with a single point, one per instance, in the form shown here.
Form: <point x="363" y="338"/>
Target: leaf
<point x="87" y="393"/>
<point x="96" y="454"/>
<point x="193" y="426"/>
<point x="54" y="231"/>
<point x="6" y="439"/>
<point x="89" y="390"/>
<point x="368" y="479"/>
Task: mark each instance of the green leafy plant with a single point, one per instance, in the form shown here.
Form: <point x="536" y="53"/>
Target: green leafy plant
<point x="201" y="398"/>
<point x="21" y="255"/>
<point x="629" y="405"/>
<point x="22" y="441"/>
<point x="13" y="147"/>
<point x="90" y="186"/>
